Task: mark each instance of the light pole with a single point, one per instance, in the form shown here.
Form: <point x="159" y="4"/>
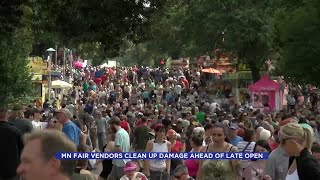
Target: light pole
<point x="64" y="62"/>
<point x="56" y="54"/>
<point x="50" y="51"/>
<point x="70" y="68"/>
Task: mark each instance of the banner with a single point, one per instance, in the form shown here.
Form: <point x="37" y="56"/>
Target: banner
<point x="37" y="66"/>
<point x="161" y="155"/>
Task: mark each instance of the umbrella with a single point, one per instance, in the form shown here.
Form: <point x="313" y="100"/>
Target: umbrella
<point x="211" y="71"/>
<point x="79" y="65"/>
<point x="60" y="84"/>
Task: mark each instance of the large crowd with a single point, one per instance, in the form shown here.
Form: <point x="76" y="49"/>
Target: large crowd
<point x="130" y="109"/>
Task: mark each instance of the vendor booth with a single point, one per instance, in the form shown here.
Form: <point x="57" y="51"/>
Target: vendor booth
<point x="266" y="94"/>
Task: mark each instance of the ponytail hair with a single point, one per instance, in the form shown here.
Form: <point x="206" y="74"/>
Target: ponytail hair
<point x="308" y="138"/>
<point x="300" y="132"/>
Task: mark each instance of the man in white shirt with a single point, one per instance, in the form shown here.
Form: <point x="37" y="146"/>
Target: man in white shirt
<point x="37" y="116"/>
<point x="178" y="90"/>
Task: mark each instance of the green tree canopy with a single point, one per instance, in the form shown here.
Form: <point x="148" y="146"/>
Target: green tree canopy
<point x="299" y="36"/>
<point x="109" y="22"/>
<point x="14" y="49"/>
<point x="193" y="28"/>
<point x="242" y="27"/>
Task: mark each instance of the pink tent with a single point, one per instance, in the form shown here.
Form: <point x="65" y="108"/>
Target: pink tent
<point x="264" y="84"/>
<point x="266" y="94"/>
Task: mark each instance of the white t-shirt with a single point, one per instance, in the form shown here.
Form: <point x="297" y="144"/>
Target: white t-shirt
<point x="178" y="89"/>
<point x="39" y="125"/>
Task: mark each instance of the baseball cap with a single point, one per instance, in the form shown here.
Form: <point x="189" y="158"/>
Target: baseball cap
<point x="63" y="110"/>
<point x="233" y="126"/>
<point x="130" y="166"/>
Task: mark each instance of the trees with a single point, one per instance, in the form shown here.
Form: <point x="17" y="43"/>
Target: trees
<point x="11" y="13"/>
<point x="192" y="28"/>
<point x="14" y="48"/>
<point x="298" y="41"/>
<point x="108" y="22"/>
<point x="242" y="27"/>
<point x="142" y="54"/>
<point x="167" y="29"/>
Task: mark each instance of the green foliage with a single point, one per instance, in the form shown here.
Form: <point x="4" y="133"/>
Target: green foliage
<point x="139" y="54"/>
<point x="10" y="18"/>
<point x="242" y="27"/>
<point x="298" y="41"/>
<point x="14" y="77"/>
<point x="167" y="28"/>
<point x="92" y="51"/>
<point x="193" y="28"/>
<point x="109" y="22"/>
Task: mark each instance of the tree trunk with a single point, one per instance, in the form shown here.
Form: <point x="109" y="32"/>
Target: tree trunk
<point x="139" y="60"/>
<point x="255" y="70"/>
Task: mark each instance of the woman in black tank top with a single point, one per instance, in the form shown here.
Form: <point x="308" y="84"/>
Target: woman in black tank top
<point x="106" y="167"/>
<point x="107" y="163"/>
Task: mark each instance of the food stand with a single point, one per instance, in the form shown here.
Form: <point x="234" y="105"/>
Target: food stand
<point x="266" y="94"/>
<point x="38" y="68"/>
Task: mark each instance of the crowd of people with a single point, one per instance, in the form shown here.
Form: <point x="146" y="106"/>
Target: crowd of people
<point x="157" y="110"/>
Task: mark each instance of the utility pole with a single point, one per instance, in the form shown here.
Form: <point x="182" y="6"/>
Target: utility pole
<point x="64" y="63"/>
<point x="70" y="68"/>
<point x="50" y="51"/>
<point x="56" y="54"/>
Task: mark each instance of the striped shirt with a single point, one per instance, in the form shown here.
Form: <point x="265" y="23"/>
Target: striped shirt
<point x="243" y="146"/>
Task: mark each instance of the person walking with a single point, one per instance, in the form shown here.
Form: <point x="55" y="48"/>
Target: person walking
<point x="12" y="145"/>
<point x="102" y="126"/>
<point x="17" y="119"/>
<point x="69" y="127"/>
<point x="122" y="144"/>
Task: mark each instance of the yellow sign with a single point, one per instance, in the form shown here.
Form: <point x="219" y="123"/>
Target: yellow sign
<point x="37" y="66"/>
<point x="36" y="77"/>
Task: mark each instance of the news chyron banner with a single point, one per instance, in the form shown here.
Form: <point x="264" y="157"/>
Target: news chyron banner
<point x="162" y="155"/>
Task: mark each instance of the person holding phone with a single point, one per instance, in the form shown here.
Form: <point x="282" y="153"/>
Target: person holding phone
<point x="255" y="168"/>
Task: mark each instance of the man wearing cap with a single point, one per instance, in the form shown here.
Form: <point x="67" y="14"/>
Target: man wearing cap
<point x="70" y="128"/>
<point x="233" y="134"/>
<point x="17" y="119"/>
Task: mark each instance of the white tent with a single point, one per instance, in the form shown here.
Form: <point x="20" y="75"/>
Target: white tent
<point x="110" y="64"/>
<point x="60" y="84"/>
<point x="104" y="65"/>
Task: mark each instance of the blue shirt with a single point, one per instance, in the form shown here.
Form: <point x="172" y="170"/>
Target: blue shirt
<point x="98" y="74"/>
<point x="236" y="140"/>
<point x="72" y="131"/>
<point x="122" y="140"/>
<point x="145" y="95"/>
